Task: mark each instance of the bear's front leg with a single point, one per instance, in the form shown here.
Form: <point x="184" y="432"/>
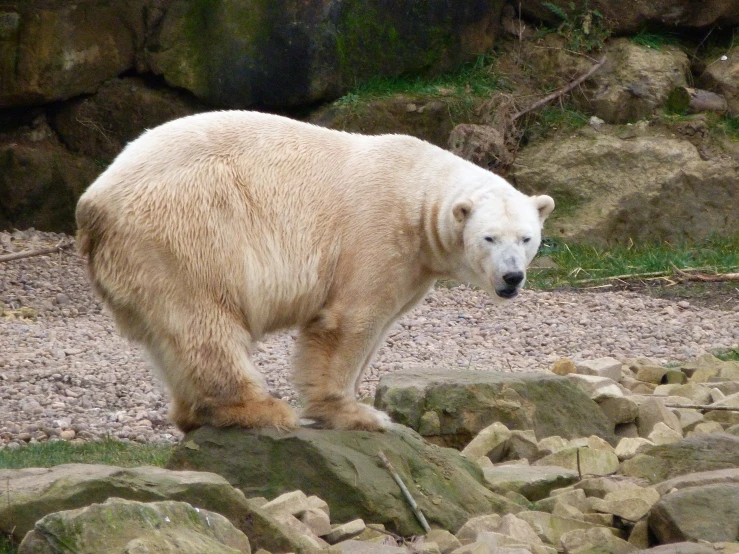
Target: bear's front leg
<point x="332" y="351"/>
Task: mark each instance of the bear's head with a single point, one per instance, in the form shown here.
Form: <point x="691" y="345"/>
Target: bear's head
<point x="501" y="234"/>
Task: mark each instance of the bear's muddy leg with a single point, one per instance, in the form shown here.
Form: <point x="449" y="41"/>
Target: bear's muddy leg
<point x="214" y="382"/>
<point x="330" y="357"/>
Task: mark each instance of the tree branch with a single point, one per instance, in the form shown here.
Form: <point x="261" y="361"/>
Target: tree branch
<point x="30" y="253"/>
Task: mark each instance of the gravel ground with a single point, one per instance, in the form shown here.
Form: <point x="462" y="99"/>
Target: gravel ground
<point x="65" y="372"/>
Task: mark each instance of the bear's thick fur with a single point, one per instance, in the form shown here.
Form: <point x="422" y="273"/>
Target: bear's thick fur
<point x="212" y="230"/>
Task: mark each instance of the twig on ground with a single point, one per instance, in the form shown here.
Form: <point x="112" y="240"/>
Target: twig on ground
<point x="704" y="277"/>
<point x="703" y="407"/>
<point x="30" y="253"/>
<point x="561" y="92"/>
<point x="416" y="510"/>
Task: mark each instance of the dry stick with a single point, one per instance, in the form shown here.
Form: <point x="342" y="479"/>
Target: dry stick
<point x="703" y="407"/>
<point x="704" y="277"/>
<point x="31" y="253"/>
<point x="561" y="92"/>
<point x="406" y="493"/>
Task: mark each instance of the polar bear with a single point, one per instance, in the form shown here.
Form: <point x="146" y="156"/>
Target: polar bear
<point x="209" y="231"/>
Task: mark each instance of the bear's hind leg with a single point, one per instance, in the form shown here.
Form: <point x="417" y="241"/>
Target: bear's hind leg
<point x="213" y="380"/>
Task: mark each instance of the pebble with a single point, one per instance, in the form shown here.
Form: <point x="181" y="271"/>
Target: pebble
<point x="69" y="374"/>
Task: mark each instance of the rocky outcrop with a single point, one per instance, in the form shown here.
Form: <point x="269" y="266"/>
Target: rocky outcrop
<point x="722" y="76"/>
<point x="623" y="186"/>
<point x="138" y="527"/>
<point x="634" y="16"/>
<point x="343" y="468"/>
<point x="451" y="407"/>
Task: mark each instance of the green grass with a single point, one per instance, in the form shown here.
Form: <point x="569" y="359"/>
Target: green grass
<point x="548" y="120"/>
<point x="478" y="78"/>
<point x="586" y="265"/>
<point x="108" y="451"/>
<point x="731" y="355"/>
<point x="728" y="126"/>
<point x="656" y="41"/>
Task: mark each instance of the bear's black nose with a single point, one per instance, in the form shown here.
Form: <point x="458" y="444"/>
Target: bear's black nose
<point x="513" y="279"/>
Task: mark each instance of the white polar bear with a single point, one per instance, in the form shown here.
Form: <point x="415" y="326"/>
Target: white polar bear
<point x="212" y="230"/>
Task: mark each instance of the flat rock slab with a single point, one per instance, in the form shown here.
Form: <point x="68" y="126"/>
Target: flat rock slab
<point x="690" y="455"/>
<point x="729" y="476"/>
<point x="533" y="482"/>
<point x="343" y="468"/>
<point x="466" y="402"/>
<point x="679" y="548"/>
<point x="127" y="526"/>
<point x="30" y="494"/>
<point x="708" y="513"/>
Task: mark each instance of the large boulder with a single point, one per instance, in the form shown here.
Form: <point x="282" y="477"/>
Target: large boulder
<point x="703" y="513"/>
<point x="631" y="17"/>
<point x="690" y="455"/>
<point x="462" y="403"/>
<point x="236" y="53"/>
<point x="120" y="525"/>
<point x="643" y="188"/>
<point x="40" y="184"/>
<point x="54" y="50"/>
<point x="343" y="468"/>
<point x="722" y="76"/>
<point x="99" y="126"/>
<point x="31" y="494"/>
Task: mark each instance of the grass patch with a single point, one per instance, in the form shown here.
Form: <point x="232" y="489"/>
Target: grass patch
<point x="6" y="547"/>
<point x="478" y="78"/>
<point x="107" y="451"/>
<point x="584" y="30"/>
<point x="656" y="41"/>
<point x="547" y="121"/>
<point x="731" y="355"/>
<point x="579" y="265"/>
<point x="729" y="127"/>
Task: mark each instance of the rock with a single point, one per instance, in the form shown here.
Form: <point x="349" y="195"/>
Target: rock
<point x="508" y="525"/>
<point x="291" y="503"/>
<point x="599" y="487"/>
<point x="591" y="461"/>
<point x="33" y="493"/>
<point x="706" y="428"/>
<point x="627" y="447"/>
<point x="550" y="528"/>
<point x="675" y="14"/>
<point x="619" y="409"/>
<point x="490" y="442"/>
<point x="470" y="529"/>
<point x="697" y="393"/>
<point x="165" y="526"/>
<point x="550" y="445"/>
<point x="40" y="184"/>
<point x="317" y="521"/>
<point x="601" y="367"/>
<point x="598" y="388"/>
<point x="680" y="548"/>
<point x="624" y="430"/>
<point x="651" y="374"/>
<point x="699" y="479"/>
<point x="630" y="504"/>
<point x="483" y="145"/>
<point x="705" y="367"/>
<point x="720" y="76"/>
<point x="360" y="547"/>
<point x="533" y="482"/>
<point x="446" y="541"/>
<point x="59" y="50"/>
<point x="469" y="401"/>
<point x="639" y="535"/>
<point x="705" y="513"/>
<point x="522" y="445"/>
<point x="675" y="377"/>
<point x="345" y="531"/>
<point x="640" y="179"/>
<point x="690" y="455"/>
<point x="93" y="126"/>
<point x="575" y="498"/>
<point x="311" y="52"/>
<point x="662" y="434"/>
<point x="653" y="411"/>
<point x="564" y="366"/>
<point x="596" y="539"/>
<point x="343" y="469"/>
<point x="689" y="418"/>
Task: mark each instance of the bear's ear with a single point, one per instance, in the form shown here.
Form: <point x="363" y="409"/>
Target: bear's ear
<point x="544" y="204"/>
<point x="462" y="210"/>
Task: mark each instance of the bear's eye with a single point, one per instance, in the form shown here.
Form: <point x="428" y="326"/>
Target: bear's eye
<point x="526" y="239"/>
<point x="490" y="239"/>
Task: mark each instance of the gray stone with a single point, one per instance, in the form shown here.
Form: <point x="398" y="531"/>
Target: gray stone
<point x="533" y="482"/>
<point x="653" y="411"/>
<point x="590" y="461"/>
<point x="705" y="513"/>
<point x="166" y="527"/>
<point x="599" y="487"/>
<point x="345" y="531"/>
<point x="630" y="504"/>
<point x="469" y="401"/>
<point x="699" y="479"/>
<point x="550" y="528"/>
<point x="619" y="409"/>
<point x="627" y="447"/>
<point x="343" y="469"/>
<point x="720" y="77"/>
<point x="680" y="548"/>
<point x="362" y="547"/>
<point x="489" y="442"/>
<point x="596" y="387"/>
<point x="662" y="434"/>
<point x="690" y="455"/>
<point x="601" y="367"/>
<point x="596" y="539"/>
